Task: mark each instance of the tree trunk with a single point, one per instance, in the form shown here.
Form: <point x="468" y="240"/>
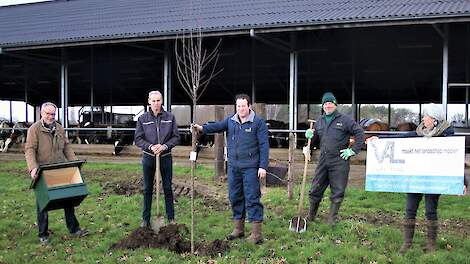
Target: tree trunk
<point x="193" y="174"/>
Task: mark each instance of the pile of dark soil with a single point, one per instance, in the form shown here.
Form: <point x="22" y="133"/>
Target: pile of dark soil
<point x="171" y="237"/>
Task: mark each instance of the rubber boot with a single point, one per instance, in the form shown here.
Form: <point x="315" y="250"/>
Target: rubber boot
<point x="238" y="229"/>
<point x="256" y="237"/>
<point x="408" y="233"/>
<point x="332" y="217"/>
<point x="431" y="226"/>
<point x="312" y="211"/>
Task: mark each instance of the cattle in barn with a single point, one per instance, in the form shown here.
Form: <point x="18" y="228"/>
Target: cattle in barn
<point x="302" y="140"/>
<point x="185" y="135"/>
<point x="93" y="136"/>
<point x="371" y="124"/>
<point x="74" y="134"/>
<point x="202" y="141"/>
<point x="124" y="138"/>
<point x="377" y="125"/>
<point x="17" y="135"/>
<point x="406" y="126"/>
<point x="277" y="139"/>
<point x="105" y="133"/>
<point x="5" y="132"/>
<point x="205" y="140"/>
<point x="102" y="120"/>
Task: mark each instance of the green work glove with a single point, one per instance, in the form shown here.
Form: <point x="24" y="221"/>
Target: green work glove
<point x="309" y="133"/>
<point x="346" y="153"/>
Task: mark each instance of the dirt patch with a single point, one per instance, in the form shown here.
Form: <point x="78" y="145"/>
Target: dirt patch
<point x="106" y="176"/>
<point x="126" y="188"/>
<point x="135" y="186"/>
<point x="380" y="218"/>
<point x="214" y="205"/>
<point x="171" y="237"/>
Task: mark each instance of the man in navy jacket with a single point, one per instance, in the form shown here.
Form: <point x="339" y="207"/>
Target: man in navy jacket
<point x="156" y="133"/>
<point x="248" y="154"/>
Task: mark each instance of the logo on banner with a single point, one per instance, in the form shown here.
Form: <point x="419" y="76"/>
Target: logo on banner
<point x="387" y="153"/>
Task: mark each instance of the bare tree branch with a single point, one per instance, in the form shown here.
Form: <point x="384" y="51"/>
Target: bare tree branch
<point x="195" y="67"/>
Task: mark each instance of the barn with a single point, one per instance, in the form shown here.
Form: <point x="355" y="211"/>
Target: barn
<point x="108" y="53"/>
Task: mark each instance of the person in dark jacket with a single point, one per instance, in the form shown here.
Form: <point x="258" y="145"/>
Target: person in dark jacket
<point x="248" y="154"/>
<point x="433" y="125"/>
<point x="333" y="130"/>
<point x="156" y="134"/>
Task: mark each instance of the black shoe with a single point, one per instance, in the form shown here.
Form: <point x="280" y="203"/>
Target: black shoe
<point x="44" y="240"/>
<point x="145" y="224"/>
<point x="80" y="233"/>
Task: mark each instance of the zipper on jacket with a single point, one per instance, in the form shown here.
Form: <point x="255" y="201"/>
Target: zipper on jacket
<point x="158" y="130"/>
<point x="238" y="141"/>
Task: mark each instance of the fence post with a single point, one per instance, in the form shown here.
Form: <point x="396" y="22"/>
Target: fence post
<point x="290" y="169"/>
<point x="219" y="145"/>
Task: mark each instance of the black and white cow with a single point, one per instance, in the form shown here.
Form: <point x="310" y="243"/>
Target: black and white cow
<point x="17" y="135"/>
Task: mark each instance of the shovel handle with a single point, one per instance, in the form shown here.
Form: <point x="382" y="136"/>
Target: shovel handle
<point x="157" y="182"/>
<point x="304" y="179"/>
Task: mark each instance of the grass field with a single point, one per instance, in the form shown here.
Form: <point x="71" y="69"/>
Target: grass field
<point x="368" y="232"/>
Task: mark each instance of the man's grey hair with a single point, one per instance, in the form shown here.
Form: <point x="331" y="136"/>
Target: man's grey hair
<point x="48" y="104"/>
<point x="155" y="93"/>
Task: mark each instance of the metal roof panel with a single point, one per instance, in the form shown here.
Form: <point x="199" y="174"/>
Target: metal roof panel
<point x="64" y="21"/>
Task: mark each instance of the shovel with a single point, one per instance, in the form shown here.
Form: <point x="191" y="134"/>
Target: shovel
<point x="158" y="222"/>
<point x="299" y="224"/>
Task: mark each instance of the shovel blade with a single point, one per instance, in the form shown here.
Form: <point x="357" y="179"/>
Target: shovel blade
<point x="158" y="223"/>
<point x="298" y="224"/>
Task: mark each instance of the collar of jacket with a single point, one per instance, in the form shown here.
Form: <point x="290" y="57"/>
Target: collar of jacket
<point x="251" y="117"/>
<point x="332" y="116"/>
<point x="162" y="112"/>
<point x="46" y="129"/>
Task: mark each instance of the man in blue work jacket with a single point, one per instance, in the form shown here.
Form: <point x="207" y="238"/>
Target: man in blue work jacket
<point x="333" y="130"/>
<point x="248" y="154"/>
<point x="156" y="133"/>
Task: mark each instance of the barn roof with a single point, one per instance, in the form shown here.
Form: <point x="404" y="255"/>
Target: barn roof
<point x="83" y="21"/>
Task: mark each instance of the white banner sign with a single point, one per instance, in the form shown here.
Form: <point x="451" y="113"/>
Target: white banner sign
<point x="416" y="165"/>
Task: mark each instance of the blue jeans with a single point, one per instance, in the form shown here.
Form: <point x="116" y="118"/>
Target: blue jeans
<point x="412" y="204"/>
<point x="166" y="169"/>
<point x="244" y="193"/>
<point x="43" y="221"/>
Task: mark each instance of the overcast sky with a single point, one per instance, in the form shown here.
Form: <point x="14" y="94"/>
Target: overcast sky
<point x="15" y="2"/>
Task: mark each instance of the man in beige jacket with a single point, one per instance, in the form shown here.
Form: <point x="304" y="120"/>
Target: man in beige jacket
<point x="46" y="142"/>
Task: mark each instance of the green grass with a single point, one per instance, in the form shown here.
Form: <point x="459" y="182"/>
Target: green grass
<point x="110" y="218"/>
